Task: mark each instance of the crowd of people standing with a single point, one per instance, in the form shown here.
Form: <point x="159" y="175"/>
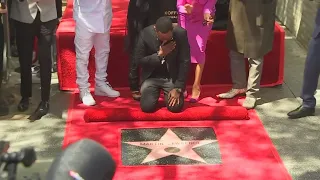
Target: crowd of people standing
<point x="164" y="38"/>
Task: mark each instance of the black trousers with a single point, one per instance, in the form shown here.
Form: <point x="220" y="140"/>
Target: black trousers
<point x="150" y="93"/>
<point x="26" y="34"/>
<point x="134" y="74"/>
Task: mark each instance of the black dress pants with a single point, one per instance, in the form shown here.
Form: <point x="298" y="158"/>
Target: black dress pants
<point x="134" y="74"/>
<point x="26" y="34"/>
<point x="150" y="93"/>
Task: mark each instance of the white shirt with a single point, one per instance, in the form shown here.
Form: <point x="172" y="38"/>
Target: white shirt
<point x="96" y="15"/>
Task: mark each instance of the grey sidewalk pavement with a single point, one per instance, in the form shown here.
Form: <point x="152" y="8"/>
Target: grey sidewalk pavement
<point x="296" y="140"/>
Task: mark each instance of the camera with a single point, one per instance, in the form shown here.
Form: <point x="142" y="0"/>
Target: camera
<point x="10" y="161"/>
<point x="76" y="161"/>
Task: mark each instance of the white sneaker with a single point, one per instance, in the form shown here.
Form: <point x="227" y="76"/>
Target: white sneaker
<point x="106" y="90"/>
<point x="86" y="98"/>
<point x="249" y="102"/>
<point x="232" y="93"/>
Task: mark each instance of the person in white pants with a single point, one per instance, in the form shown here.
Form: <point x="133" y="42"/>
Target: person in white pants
<point x="93" y="22"/>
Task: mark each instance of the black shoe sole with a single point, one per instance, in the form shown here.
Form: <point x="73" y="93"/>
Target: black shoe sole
<point x="298" y="117"/>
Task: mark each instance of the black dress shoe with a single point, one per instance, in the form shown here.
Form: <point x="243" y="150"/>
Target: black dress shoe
<point x="42" y="110"/>
<point x="301" y="112"/>
<point x="136" y="95"/>
<point x="23" y="104"/>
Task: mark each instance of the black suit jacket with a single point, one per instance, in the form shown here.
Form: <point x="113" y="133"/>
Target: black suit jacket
<point x="178" y="61"/>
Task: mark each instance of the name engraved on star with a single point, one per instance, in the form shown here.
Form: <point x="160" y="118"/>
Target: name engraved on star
<point x="184" y="143"/>
<point x="152" y="144"/>
<point x="171" y="144"/>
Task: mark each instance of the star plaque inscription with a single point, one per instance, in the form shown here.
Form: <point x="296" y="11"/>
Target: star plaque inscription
<point x="169" y="146"/>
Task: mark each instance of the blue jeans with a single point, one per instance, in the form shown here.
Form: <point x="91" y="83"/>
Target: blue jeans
<point x="312" y="68"/>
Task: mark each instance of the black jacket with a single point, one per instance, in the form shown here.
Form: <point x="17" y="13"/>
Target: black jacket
<point x="178" y="61"/>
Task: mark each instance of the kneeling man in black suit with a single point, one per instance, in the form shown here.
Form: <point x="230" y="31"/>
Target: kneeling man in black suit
<point x="163" y="52"/>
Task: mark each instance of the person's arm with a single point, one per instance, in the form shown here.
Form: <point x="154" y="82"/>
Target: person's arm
<point x="210" y="7"/>
<point x="180" y="6"/>
<point x="184" y="61"/>
<point x="140" y="54"/>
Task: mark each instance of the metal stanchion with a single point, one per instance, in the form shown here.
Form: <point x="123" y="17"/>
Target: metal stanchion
<point x="7" y="45"/>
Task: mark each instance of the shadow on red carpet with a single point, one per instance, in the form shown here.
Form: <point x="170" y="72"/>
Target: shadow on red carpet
<point x="247" y="153"/>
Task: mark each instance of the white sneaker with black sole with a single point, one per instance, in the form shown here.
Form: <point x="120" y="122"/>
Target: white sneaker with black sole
<point x="86" y="97"/>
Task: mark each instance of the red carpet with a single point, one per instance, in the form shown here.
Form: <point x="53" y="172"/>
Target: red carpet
<point x="242" y="149"/>
<point x="103" y="114"/>
<point x="217" y="71"/>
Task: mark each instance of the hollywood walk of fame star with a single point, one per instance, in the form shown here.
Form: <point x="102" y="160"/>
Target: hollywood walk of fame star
<point x="171" y="144"/>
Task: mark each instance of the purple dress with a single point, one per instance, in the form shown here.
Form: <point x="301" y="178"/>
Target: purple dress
<point x="197" y="32"/>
